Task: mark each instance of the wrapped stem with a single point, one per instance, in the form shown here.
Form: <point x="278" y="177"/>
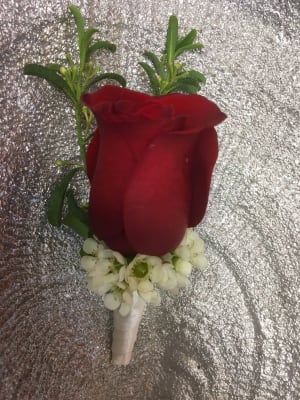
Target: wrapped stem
<point x="125" y="332"/>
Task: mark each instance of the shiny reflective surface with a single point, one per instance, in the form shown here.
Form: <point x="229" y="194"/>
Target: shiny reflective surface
<point x="234" y="333"/>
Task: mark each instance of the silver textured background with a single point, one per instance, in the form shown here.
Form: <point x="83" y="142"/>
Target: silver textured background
<point x="234" y="333"/>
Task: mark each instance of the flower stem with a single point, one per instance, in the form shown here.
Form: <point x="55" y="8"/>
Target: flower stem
<point x="80" y="138"/>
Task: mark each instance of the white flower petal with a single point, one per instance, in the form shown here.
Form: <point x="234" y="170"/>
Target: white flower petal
<point x="90" y="246"/>
<point x="145" y="286"/>
<point x="183" y="267"/>
<point x="146" y="296"/>
<point x="87" y="263"/>
<point x="182" y="252"/>
<point x="111" y="301"/>
<point x="156" y="274"/>
<point x="122" y="274"/>
<point x="103" y="265"/>
<point x="133" y="284"/>
<point x="127" y="297"/>
<point x="106" y="287"/>
<point x="118" y="256"/>
<point x="198" y="247"/>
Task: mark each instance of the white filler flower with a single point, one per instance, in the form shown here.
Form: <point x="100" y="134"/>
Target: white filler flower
<point x="127" y="285"/>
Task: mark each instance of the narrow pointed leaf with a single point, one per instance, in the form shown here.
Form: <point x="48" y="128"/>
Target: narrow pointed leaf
<point x="100" y="45"/>
<point x="89" y="33"/>
<point x="84" y="44"/>
<point x="75" y="209"/>
<point x="56" y="200"/>
<point x="196" y="75"/>
<point x="54" y="67"/>
<point x="184" y="88"/>
<point x="154" y="83"/>
<point x="155" y="61"/>
<point x="187" y="39"/>
<point x="196" y="46"/>
<point x="78" y="20"/>
<point x="106" y="75"/>
<point x="51" y="76"/>
<point x="188" y="80"/>
<point x="172" y="35"/>
<point x="77" y="226"/>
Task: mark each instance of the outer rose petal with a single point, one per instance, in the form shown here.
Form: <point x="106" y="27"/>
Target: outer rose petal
<point x="156" y="205"/>
<point x="199" y="112"/>
<point x="114" y="167"/>
<point x="203" y="160"/>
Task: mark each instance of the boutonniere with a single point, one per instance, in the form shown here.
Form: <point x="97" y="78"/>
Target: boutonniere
<point x="148" y="158"/>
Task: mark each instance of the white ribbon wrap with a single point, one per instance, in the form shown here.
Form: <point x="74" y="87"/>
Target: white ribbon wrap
<point x="125" y="331"/>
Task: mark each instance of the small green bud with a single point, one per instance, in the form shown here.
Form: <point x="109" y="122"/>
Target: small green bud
<point x="63" y="70"/>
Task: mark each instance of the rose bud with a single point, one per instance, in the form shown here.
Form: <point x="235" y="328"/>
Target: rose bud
<point x="150" y="163"/>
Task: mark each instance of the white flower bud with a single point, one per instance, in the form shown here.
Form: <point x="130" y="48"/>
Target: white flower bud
<point x="183" y="267"/>
<point x="198" y="246"/>
<point x="111" y="301"/>
<point x="182" y="252"/>
<point x="90" y="246"/>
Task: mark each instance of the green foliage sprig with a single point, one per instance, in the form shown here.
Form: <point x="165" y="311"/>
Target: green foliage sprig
<point x="167" y="75"/>
<point x="74" y="79"/>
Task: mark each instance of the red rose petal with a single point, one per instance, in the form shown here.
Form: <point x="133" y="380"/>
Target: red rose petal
<point x="199" y="112"/>
<point x="112" y="95"/>
<point x="156" y="204"/>
<point x="203" y="160"/>
<point x="114" y="168"/>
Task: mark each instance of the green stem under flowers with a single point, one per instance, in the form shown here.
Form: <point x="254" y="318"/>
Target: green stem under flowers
<point x="80" y="139"/>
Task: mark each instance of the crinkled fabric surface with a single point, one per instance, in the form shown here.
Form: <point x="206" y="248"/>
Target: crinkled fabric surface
<point x="234" y="334"/>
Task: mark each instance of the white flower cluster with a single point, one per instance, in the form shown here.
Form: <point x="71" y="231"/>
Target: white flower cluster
<point x="116" y="278"/>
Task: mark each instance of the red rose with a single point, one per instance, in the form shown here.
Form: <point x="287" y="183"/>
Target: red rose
<point x="150" y="164"/>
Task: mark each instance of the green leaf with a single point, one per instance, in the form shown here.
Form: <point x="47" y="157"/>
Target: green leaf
<point x="75" y="209"/>
<point x="154" y="83"/>
<point x="77" y="226"/>
<point x="78" y="20"/>
<point x="100" y="45"/>
<point x="172" y="35"/>
<point x="183" y="87"/>
<point x="155" y="61"/>
<point x="54" y="67"/>
<point x="107" y="75"/>
<point x="196" y="46"/>
<point x="187" y="39"/>
<point x="88" y="35"/>
<point x="56" y="200"/>
<point x="51" y="76"/>
<point x="84" y="44"/>
<point x="196" y="75"/>
<point x="188" y="80"/>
